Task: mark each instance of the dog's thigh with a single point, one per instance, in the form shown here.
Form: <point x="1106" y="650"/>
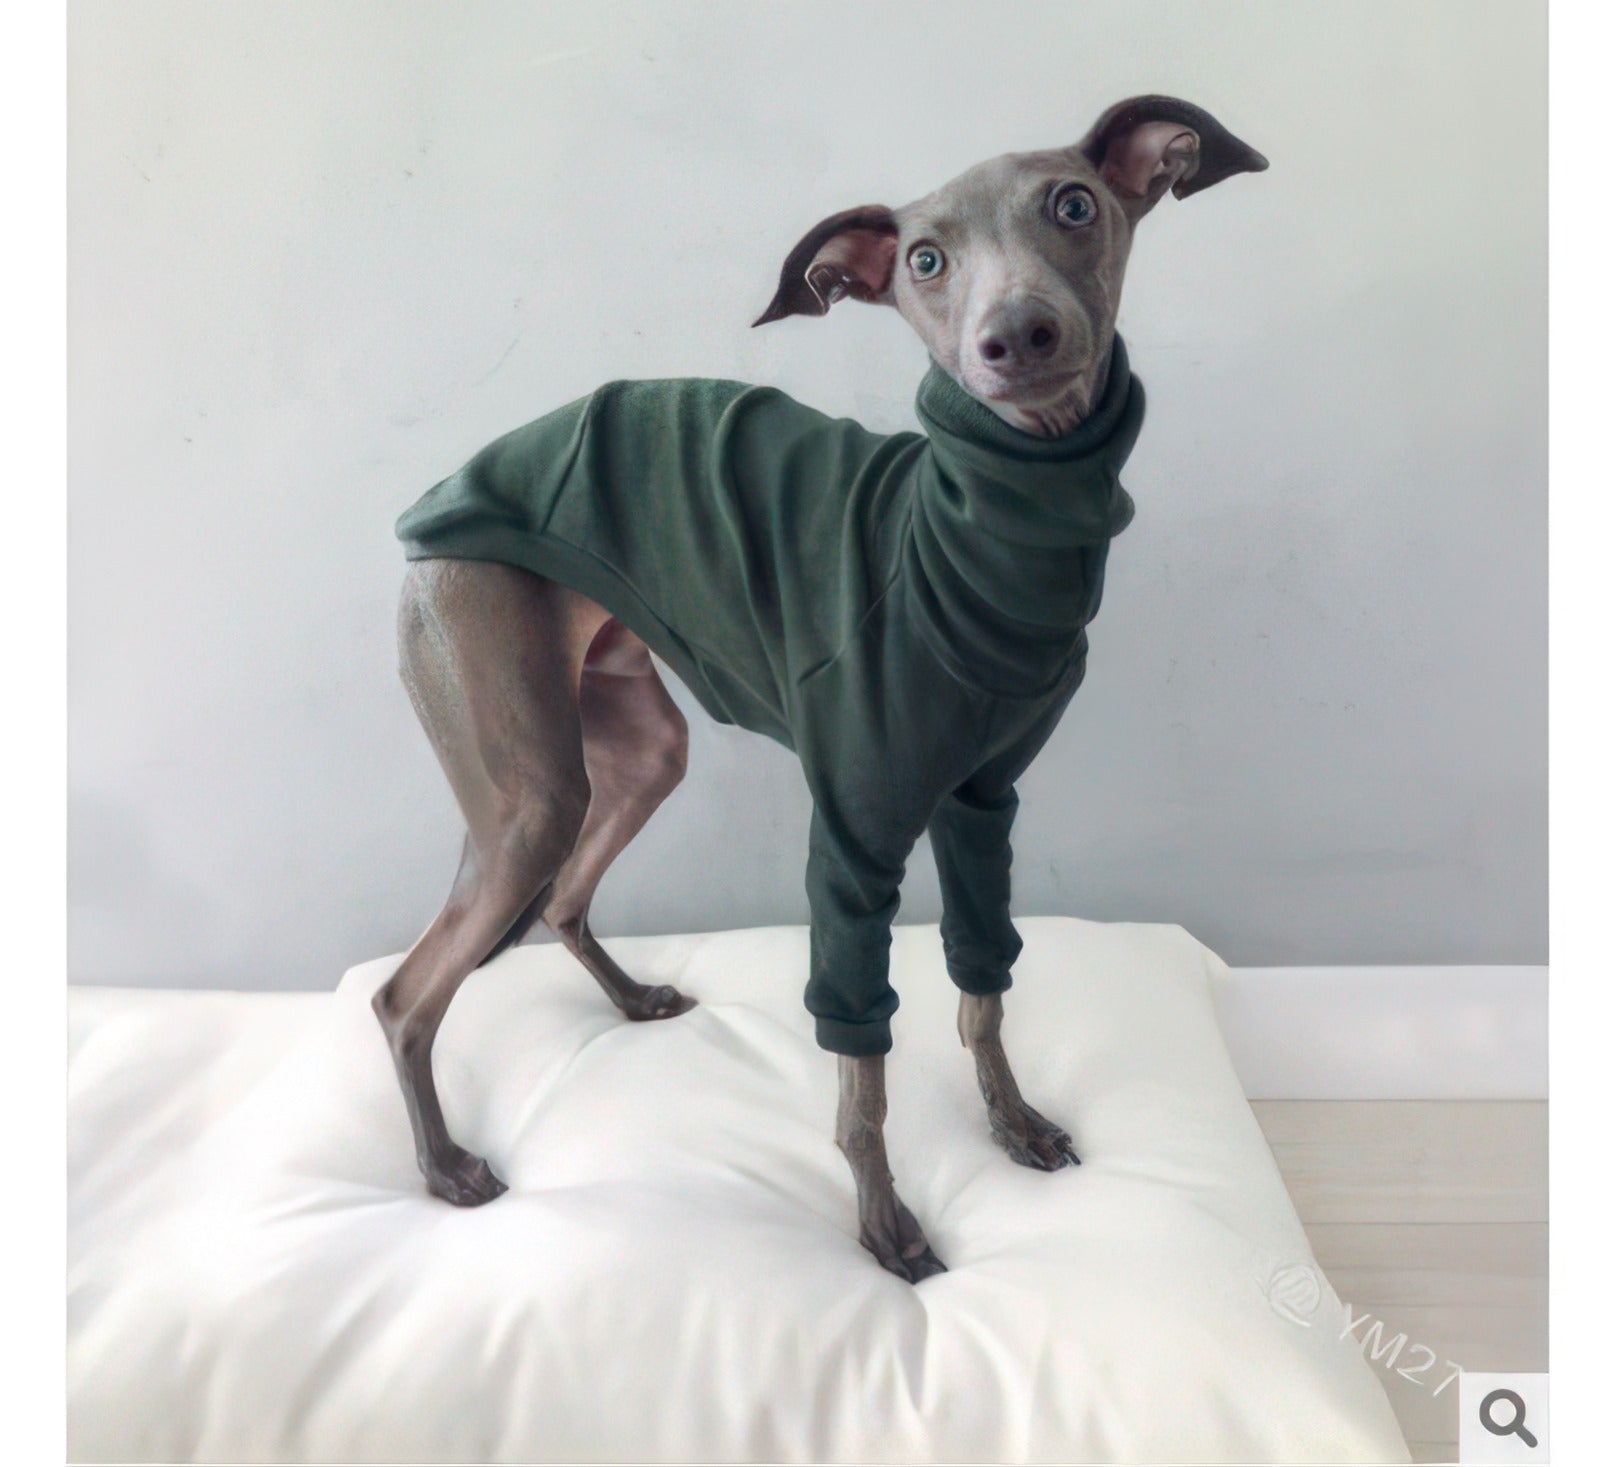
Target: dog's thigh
<point x="491" y="656"/>
<point x="635" y="752"/>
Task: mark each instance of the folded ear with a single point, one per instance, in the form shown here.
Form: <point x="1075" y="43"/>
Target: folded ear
<point x="847" y="254"/>
<point x="1146" y="145"/>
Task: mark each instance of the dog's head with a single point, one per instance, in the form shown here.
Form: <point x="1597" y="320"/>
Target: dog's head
<point x="1012" y="272"/>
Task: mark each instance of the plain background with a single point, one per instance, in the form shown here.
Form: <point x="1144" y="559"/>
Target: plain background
<point x="319" y="255"/>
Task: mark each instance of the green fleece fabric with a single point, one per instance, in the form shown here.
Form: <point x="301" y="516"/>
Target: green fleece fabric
<point x="904" y="611"/>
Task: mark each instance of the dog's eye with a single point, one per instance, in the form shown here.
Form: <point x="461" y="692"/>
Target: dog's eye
<point x="1075" y="207"/>
<point x="925" y="262"/>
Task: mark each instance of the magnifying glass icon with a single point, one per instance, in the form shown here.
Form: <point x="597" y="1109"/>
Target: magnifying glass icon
<point x="1516" y="1426"/>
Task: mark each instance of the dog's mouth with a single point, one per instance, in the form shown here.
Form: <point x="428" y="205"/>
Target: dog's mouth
<point x="1045" y="404"/>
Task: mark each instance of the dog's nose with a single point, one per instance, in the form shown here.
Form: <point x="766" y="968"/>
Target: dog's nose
<point x="1018" y="336"/>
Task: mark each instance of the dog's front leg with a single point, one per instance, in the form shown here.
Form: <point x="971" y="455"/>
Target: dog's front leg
<point x="1025" y="1134"/>
<point x="971" y="837"/>
<point x="860" y="839"/>
<point x="888" y="1230"/>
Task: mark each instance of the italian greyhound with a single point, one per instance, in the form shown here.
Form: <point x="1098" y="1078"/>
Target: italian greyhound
<point x="560" y="740"/>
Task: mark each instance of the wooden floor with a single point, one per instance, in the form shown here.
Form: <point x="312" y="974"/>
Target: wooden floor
<point x="1432" y="1218"/>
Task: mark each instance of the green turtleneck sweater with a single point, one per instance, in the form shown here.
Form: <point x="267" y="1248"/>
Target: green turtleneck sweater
<point x="905" y="612"/>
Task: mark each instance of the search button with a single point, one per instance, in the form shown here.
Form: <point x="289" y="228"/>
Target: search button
<point x="1515" y="1425"/>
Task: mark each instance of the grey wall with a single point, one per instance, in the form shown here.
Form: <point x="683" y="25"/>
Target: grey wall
<point x="319" y="254"/>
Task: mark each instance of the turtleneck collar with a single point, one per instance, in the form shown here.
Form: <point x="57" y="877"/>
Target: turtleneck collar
<point x="1009" y="530"/>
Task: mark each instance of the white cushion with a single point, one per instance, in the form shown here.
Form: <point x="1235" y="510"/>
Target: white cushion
<point x="258" y="1274"/>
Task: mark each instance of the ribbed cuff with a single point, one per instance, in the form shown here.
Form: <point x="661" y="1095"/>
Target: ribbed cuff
<point x="857" y="1040"/>
<point x="981" y="980"/>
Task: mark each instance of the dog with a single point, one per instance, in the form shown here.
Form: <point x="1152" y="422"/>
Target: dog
<point x="906" y="612"/>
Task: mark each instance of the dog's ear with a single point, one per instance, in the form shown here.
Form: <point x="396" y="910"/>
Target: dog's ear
<point x="848" y="254"/>
<point x="1147" y="145"/>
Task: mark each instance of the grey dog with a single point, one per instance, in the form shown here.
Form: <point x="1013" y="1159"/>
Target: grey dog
<point x="906" y="613"/>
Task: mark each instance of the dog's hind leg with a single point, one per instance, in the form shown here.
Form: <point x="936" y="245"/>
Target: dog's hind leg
<point x="635" y="750"/>
<point x="491" y="656"/>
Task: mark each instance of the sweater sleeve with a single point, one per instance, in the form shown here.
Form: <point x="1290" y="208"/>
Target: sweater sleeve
<point x="970" y="832"/>
<point x="882" y="740"/>
<point x="853" y="887"/>
<point x="971" y="837"/>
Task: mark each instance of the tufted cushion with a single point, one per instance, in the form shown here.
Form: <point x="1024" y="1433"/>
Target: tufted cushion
<point x="257" y="1272"/>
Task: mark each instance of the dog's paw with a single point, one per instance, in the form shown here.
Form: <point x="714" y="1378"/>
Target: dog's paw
<point x="461" y="1178"/>
<point x="1031" y="1140"/>
<point x="662" y="1001"/>
<point x="901" y="1247"/>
